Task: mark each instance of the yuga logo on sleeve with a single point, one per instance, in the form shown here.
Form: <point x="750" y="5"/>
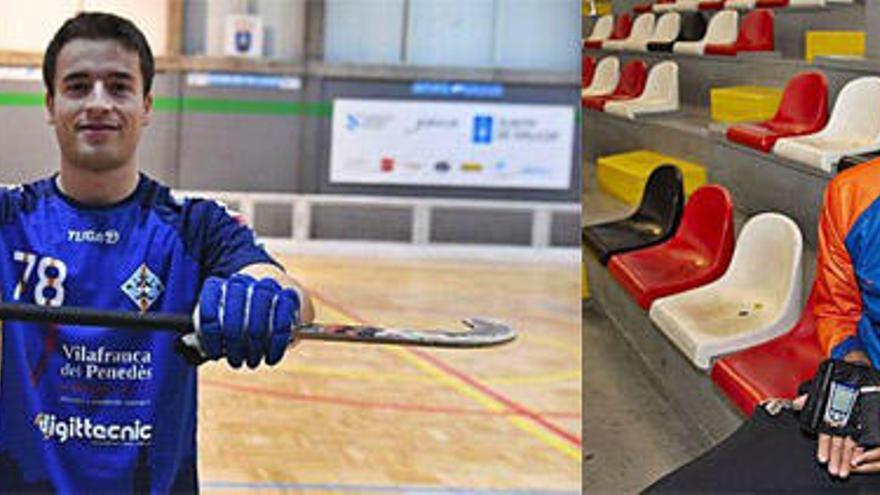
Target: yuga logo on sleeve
<point x="78" y="428"/>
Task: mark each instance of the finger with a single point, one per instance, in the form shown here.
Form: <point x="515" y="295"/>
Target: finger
<point x="870" y="467"/>
<point x="867" y="456"/>
<point x="846" y="457"/>
<point x="834" y="455"/>
<point x="285" y="315"/>
<point x="799" y="402"/>
<point x="824" y="448"/>
<point x="257" y="327"/>
<point x="232" y="313"/>
<point x="857" y="452"/>
<point x="209" y="323"/>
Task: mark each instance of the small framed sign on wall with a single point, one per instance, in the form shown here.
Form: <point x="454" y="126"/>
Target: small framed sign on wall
<point x="243" y="36"/>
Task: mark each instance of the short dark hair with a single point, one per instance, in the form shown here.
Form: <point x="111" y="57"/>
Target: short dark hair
<point x="99" y="26"/>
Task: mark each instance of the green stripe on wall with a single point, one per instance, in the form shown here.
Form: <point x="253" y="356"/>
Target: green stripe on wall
<point x="199" y="105"/>
<point x="217" y="105"/>
<point x="21" y="99"/>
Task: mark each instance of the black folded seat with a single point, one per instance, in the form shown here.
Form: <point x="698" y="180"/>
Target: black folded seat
<point x="693" y="28"/>
<point x="655" y="220"/>
<point x="853" y="160"/>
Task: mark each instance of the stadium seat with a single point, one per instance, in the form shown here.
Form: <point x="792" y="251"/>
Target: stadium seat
<point x="660" y="94"/>
<point x="697" y="254"/>
<point x="834" y="44"/>
<point x="854" y="128"/>
<point x="630" y="85"/>
<point x="642" y="29"/>
<point x="712" y="5"/>
<point x="622" y="27"/>
<point x="601" y="32"/>
<point x="721" y="30"/>
<point x="665" y="30"/>
<point x="624" y="175"/>
<point x="743" y="103"/>
<point x="654" y="221"/>
<point x="803" y="110"/>
<point x="588" y="69"/>
<point x="605" y="77"/>
<point x="755" y="35"/>
<point x="692" y="27"/>
<point x="642" y="8"/>
<point x="805" y="3"/>
<point x="768" y="4"/>
<point x="773" y="369"/>
<point x="850" y="161"/>
<point x="756" y="300"/>
<point x="678" y="6"/>
<point x="740" y="4"/>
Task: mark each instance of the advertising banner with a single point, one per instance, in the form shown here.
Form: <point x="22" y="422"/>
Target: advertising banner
<point x="470" y="144"/>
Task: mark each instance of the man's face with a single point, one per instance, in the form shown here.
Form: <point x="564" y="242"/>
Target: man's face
<point x="99" y="108"/>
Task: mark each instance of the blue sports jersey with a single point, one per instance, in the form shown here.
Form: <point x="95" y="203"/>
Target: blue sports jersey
<point x="85" y="409"/>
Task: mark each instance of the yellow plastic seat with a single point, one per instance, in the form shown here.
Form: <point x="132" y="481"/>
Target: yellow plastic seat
<point x="744" y="103"/>
<point x="848" y="43"/>
<point x="623" y="175"/>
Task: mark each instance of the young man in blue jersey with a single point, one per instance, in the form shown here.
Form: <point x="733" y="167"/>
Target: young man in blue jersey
<point x="98" y="410"/>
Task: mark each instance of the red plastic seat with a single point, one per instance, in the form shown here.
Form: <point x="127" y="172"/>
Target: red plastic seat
<point x="631" y="84"/>
<point x="622" y="27"/>
<point x="771" y="4"/>
<point x="803" y="110"/>
<point x="698" y="253"/>
<point x="712" y="5"/>
<point x="642" y="8"/>
<point x="773" y="369"/>
<point x="755" y="35"/>
<point x="588" y="69"/>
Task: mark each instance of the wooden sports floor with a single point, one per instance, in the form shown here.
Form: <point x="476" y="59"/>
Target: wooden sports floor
<point x="343" y="418"/>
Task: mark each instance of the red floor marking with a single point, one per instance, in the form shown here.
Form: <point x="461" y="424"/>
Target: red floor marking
<point x="367" y="404"/>
<point x="510" y="403"/>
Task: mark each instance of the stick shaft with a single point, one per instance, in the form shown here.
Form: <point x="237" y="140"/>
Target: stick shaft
<point x="482" y="334"/>
<point x="97" y="317"/>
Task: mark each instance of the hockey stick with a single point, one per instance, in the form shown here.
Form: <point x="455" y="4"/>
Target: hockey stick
<point x="482" y="332"/>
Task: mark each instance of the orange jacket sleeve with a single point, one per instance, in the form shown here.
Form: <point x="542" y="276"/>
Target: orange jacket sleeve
<point x="838" y="299"/>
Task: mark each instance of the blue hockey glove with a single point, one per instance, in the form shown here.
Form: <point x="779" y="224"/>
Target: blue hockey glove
<point x="246" y="320"/>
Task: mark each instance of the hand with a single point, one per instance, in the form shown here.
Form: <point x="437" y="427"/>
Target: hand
<point x="839" y="453"/>
<point x="857" y="357"/>
<point x="246" y="320"/>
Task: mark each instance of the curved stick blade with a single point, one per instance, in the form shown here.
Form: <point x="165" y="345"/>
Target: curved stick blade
<point x="483" y="332"/>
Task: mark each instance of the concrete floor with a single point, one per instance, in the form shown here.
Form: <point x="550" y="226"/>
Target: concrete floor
<point x="632" y="434"/>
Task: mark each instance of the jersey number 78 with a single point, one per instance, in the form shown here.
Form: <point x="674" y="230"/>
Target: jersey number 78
<point x="51" y="273"/>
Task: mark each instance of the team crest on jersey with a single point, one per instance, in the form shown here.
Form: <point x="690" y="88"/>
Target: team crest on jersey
<point x="143" y="287"/>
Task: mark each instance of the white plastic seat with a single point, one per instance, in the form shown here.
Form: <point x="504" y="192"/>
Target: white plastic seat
<point x="722" y="29"/>
<point x="677" y="6"/>
<point x="605" y="77"/>
<point x="665" y="30"/>
<point x="757" y="299"/>
<point x="740" y="4"/>
<point x="663" y="7"/>
<point x="805" y="3"/>
<point x="660" y="95"/>
<point x="642" y="29"/>
<point x="687" y="5"/>
<point x="602" y="29"/>
<point x="852" y="129"/>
